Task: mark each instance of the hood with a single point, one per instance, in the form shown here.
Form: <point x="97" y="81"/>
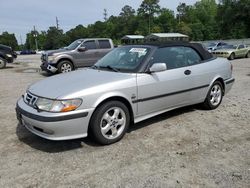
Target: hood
<point x="52" y="52"/>
<point x="64" y="85"/>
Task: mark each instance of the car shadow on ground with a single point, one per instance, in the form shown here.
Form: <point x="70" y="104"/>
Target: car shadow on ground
<point x="7" y="67"/>
<point x="163" y="117"/>
<point x="48" y="146"/>
<point x="46" y="74"/>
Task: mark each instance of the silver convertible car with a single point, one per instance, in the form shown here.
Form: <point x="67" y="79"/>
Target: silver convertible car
<point x="128" y="85"/>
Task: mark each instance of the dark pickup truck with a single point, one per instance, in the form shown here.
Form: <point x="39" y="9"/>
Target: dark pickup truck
<point x="7" y="55"/>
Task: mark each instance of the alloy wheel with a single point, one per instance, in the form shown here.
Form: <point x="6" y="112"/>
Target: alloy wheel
<point x="113" y="123"/>
<point x="215" y="95"/>
<point x="66" y="67"/>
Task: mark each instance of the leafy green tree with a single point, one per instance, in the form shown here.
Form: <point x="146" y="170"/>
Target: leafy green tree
<point x="76" y="33"/>
<point x="55" y="39"/>
<point x="9" y="40"/>
<point x="127" y="12"/>
<point x="148" y="9"/>
<point x="166" y="21"/>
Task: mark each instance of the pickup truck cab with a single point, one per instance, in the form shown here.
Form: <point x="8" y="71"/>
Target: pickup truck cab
<point x="80" y="53"/>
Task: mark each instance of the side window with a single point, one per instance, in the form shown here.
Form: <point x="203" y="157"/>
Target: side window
<point x="89" y="45"/>
<point x="192" y="57"/>
<point x="241" y="46"/>
<point x="104" y="44"/>
<point x="174" y="57"/>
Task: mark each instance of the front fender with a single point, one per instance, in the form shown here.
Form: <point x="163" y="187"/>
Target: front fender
<point x="63" y="56"/>
<point x="109" y="95"/>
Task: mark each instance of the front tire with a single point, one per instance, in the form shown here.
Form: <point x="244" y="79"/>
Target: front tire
<point x="65" y="66"/>
<point x="110" y="122"/>
<point x="248" y="54"/>
<point x="2" y="63"/>
<point x="214" y="96"/>
<point x="232" y="56"/>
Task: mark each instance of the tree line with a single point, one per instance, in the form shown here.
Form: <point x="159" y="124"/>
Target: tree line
<point x="205" y="20"/>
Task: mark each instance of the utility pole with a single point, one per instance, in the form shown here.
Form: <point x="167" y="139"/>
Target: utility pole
<point x="57" y="23"/>
<point x="21" y="40"/>
<point x="105" y="14"/>
<point x="35" y="36"/>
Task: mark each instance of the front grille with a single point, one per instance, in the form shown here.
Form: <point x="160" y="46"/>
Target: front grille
<point x="44" y="57"/>
<point x="30" y="99"/>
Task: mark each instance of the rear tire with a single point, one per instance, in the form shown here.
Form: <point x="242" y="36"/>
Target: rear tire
<point x="65" y="66"/>
<point x="232" y="56"/>
<point x="109" y="122"/>
<point x="3" y="63"/>
<point x="214" y="96"/>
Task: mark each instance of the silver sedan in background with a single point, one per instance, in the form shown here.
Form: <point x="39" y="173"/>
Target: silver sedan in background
<point x="128" y="85"/>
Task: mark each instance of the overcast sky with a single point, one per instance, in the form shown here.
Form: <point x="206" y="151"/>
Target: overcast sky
<point x="19" y="16"/>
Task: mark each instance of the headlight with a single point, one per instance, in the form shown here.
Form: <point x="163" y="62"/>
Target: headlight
<point x="8" y="55"/>
<point x="58" y="105"/>
<point x="51" y="58"/>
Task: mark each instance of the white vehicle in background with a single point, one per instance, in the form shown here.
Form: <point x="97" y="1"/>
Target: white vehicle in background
<point x="215" y="46"/>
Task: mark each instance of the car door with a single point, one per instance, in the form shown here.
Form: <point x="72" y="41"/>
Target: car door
<point x="89" y="56"/>
<point x="164" y="90"/>
<point x="242" y="51"/>
<point x="201" y="73"/>
<point x="104" y="46"/>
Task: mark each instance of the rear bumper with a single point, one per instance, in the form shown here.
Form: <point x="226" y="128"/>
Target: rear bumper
<point x="54" y="126"/>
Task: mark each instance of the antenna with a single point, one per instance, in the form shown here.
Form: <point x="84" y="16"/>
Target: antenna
<point x="35" y="36"/>
<point x="105" y="14"/>
<point x="57" y="23"/>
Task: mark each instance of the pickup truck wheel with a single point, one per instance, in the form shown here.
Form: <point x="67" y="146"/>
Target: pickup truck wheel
<point x="65" y="66"/>
<point x="232" y="56"/>
<point x="214" y="96"/>
<point x="109" y="122"/>
<point x="2" y="63"/>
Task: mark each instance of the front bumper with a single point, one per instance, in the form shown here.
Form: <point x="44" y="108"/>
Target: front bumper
<point x="45" y="66"/>
<point x="10" y="59"/>
<point x="54" y="126"/>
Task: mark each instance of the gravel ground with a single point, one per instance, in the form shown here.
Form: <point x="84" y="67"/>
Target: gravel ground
<point x="188" y="147"/>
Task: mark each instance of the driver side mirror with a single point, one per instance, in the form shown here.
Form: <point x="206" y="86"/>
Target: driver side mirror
<point x="82" y="49"/>
<point x="158" y="67"/>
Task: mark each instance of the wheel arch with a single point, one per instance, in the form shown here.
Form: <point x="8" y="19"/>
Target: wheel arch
<point x="66" y="59"/>
<point x="116" y="98"/>
<point x="220" y="79"/>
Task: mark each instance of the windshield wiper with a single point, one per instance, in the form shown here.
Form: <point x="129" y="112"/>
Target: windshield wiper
<point x="110" y="68"/>
<point x="94" y="67"/>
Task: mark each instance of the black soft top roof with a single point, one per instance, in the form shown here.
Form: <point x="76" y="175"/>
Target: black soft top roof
<point x="205" y="55"/>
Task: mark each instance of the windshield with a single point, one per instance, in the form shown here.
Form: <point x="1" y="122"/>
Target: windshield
<point x="74" y="44"/>
<point x="210" y="44"/>
<point x="127" y="58"/>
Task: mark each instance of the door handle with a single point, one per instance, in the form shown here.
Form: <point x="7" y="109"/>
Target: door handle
<point x="187" y="72"/>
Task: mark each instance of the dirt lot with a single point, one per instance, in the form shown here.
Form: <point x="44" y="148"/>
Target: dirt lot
<point x="188" y="147"/>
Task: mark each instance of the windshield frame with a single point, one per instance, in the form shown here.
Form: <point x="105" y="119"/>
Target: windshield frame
<point x="74" y="44"/>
